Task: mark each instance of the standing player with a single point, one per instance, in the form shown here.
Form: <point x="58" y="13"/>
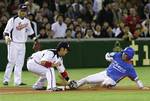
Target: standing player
<point x="43" y="63"/>
<point x="16" y="32"/>
<point x="119" y="68"/>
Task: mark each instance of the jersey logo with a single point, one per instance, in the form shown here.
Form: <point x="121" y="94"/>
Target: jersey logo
<point x="21" y="26"/>
<point x="116" y="66"/>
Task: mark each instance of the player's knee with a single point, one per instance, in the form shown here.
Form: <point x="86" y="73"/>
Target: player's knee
<point x="11" y="64"/>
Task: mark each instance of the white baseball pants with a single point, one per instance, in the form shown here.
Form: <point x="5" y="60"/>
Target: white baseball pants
<point x="44" y="73"/>
<point x="16" y="54"/>
<point x="100" y="78"/>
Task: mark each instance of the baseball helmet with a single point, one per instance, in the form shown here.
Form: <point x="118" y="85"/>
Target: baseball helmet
<point x="63" y="44"/>
<point x="129" y="52"/>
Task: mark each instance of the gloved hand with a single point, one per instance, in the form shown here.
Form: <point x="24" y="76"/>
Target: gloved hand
<point x="109" y="56"/>
<point x="36" y="46"/>
<point x="72" y="84"/>
<point x="7" y="40"/>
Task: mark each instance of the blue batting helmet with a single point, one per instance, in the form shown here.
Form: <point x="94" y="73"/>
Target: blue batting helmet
<point x="129" y="52"/>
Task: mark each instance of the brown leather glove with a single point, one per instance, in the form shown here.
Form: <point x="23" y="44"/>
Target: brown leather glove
<point x="36" y="46"/>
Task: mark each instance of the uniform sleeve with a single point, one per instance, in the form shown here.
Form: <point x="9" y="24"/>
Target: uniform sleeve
<point x="54" y="27"/>
<point x="47" y="56"/>
<point x="61" y="68"/>
<point x="30" y="29"/>
<point x="9" y="26"/>
<point x="132" y="74"/>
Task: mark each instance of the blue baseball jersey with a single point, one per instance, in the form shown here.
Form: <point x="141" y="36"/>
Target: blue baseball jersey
<point x="119" y="69"/>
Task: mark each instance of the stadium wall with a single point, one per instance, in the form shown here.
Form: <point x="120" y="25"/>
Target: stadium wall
<point x="88" y="53"/>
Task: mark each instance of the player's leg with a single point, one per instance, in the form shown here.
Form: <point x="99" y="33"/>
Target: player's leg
<point x="19" y="64"/>
<point x="51" y="80"/>
<point x="97" y="78"/>
<point x="42" y="72"/>
<point x="39" y="85"/>
<point x="12" y="56"/>
<point x="108" y="82"/>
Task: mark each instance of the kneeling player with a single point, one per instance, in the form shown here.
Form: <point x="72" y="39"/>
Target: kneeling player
<point x="43" y="62"/>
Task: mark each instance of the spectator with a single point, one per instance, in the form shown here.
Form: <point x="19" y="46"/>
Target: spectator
<point x="116" y="12"/>
<point x="127" y="34"/>
<point x="70" y="13"/>
<point x="67" y="21"/>
<point x="71" y="27"/>
<point x="88" y="14"/>
<point x="97" y="6"/>
<point x="116" y="30"/>
<point x="45" y="10"/>
<point x="32" y="7"/>
<point x="83" y="27"/>
<point x="89" y="34"/>
<point x="49" y="31"/>
<point x="146" y="28"/>
<point x="105" y="30"/>
<point x="42" y="33"/>
<point x="78" y="35"/>
<point x="3" y="22"/>
<point x="97" y="31"/>
<point x="13" y="7"/>
<point x="132" y="20"/>
<point x="59" y="27"/>
<point x="137" y="33"/>
<point x="68" y="34"/>
<point x="105" y="15"/>
<point x="33" y="23"/>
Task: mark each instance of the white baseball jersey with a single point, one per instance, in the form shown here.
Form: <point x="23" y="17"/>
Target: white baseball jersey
<point x="18" y="29"/>
<point x="50" y="56"/>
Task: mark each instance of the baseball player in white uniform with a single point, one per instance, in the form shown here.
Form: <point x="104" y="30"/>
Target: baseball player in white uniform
<point x="43" y="62"/>
<point x="17" y="30"/>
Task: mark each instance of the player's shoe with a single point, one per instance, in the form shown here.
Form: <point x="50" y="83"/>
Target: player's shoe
<point x="35" y="87"/>
<point x="55" y="89"/>
<point x="5" y="83"/>
<point x="21" y="84"/>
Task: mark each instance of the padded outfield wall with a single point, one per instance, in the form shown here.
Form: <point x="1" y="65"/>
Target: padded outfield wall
<point x="87" y="53"/>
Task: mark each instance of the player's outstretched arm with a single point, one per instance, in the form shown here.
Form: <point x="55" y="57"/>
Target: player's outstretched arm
<point x="109" y="56"/>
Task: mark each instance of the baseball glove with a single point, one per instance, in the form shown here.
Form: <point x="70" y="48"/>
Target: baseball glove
<point x="36" y="46"/>
<point x="73" y="84"/>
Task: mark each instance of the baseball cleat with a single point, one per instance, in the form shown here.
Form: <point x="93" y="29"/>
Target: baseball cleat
<point x="21" y="84"/>
<point x="38" y="88"/>
<point x="5" y="83"/>
<point x="55" y="89"/>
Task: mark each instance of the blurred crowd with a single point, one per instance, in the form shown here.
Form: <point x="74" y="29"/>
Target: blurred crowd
<point x="89" y="19"/>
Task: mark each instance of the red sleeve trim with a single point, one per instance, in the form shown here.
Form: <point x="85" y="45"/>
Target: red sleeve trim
<point x="48" y="64"/>
<point x="65" y="75"/>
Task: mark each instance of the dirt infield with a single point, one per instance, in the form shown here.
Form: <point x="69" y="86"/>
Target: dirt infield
<point x="27" y="90"/>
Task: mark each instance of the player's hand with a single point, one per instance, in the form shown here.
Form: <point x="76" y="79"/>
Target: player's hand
<point x="56" y="64"/>
<point x="7" y="40"/>
<point x="36" y="46"/>
<point x="72" y="84"/>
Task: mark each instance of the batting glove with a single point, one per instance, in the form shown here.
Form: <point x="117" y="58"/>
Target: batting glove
<point x="7" y="40"/>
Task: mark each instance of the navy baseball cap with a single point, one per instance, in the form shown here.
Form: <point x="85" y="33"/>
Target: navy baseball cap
<point x="63" y="44"/>
<point x="23" y="7"/>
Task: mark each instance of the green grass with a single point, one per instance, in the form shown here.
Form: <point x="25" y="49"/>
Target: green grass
<point x="29" y="78"/>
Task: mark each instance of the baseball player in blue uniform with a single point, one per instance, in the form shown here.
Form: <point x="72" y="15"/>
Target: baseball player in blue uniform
<point x="119" y="68"/>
